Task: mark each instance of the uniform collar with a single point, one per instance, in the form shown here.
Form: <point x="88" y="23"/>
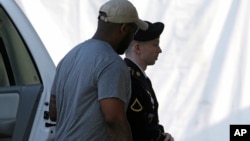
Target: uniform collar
<point x="143" y="72"/>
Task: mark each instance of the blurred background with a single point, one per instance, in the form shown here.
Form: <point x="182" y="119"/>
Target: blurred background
<point x="202" y="76"/>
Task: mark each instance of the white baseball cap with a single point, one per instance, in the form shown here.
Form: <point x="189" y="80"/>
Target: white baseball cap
<point x="121" y="11"/>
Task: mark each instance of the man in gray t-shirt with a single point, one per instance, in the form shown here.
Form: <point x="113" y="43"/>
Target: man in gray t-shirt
<point x="92" y="71"/>
<point x="91" y="89"/>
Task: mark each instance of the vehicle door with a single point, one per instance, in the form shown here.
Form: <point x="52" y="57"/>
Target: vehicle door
<point x="21" y="83"/>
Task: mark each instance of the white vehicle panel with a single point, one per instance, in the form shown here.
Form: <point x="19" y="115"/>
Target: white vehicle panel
<point x="44" y="66"/>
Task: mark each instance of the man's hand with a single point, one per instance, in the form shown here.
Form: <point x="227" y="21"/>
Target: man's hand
<point x="52" y="108"/>
<point x="168" y="137"/>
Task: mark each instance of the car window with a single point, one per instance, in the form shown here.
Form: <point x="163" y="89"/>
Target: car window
<point x="16" y="64"/>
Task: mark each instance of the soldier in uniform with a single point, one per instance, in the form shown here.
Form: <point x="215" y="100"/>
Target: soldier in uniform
<point x="142" y="112"/>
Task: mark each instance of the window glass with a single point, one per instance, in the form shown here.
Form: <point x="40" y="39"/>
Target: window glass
<point x="16" y="64"/>
<point x="3" y="74"/>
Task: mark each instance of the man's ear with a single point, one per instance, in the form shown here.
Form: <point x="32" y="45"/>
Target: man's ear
<point x="137" y="48"/>
<point x="124" y="28"/>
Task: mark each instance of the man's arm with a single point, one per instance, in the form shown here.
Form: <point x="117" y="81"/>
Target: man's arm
<point x="52" y="108"/>
<point x="115" y="116"/>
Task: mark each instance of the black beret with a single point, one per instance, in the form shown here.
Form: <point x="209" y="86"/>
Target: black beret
<point x="154" y="31"/>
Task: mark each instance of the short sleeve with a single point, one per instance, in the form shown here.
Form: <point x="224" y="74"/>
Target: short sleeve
<point x="114" y="81"/>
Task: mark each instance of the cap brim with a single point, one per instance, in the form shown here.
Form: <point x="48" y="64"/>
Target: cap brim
<point x="153" y="32"/>
<point x="141" y="24"/>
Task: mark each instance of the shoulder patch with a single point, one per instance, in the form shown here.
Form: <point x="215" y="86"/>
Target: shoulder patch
<point x="136" y="106"/>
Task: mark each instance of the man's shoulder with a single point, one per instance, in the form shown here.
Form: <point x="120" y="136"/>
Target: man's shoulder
<point x="135" y="71"/>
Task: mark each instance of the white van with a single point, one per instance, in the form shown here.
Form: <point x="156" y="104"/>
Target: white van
<point x="26" y="75"/>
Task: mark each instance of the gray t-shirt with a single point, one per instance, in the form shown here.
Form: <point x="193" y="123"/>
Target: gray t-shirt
<point x="88" y="73"/>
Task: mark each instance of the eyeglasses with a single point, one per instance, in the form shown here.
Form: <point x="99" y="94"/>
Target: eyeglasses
<point x="134" y="27"/>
